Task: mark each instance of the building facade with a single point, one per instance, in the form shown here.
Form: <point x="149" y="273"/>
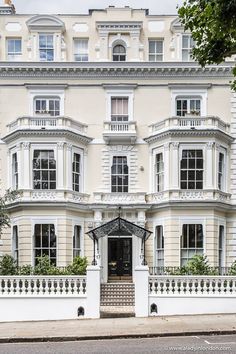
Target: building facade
<point x="108" y="110"/>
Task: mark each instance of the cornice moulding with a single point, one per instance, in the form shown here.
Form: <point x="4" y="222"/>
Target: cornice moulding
<point x="189" y="133"/>
<point x="144" y="70"/>
<point x="9" y="138"/>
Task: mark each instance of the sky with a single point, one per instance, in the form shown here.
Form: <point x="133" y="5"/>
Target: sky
<point x="81" y="6"/>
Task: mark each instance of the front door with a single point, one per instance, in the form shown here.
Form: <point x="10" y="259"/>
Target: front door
<point x="119" y="257"/>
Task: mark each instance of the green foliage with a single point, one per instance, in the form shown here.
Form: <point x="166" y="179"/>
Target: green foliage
<point x="9" y="196"/>
<point x="25" y="270"/>
<point x="213" y="27"/>
<point x="43" y="267"/>
<point x="78" y="266"/>
<point x="8" y="265"/>
<point x="199" y="265"/>
<point x="232" y="270"/>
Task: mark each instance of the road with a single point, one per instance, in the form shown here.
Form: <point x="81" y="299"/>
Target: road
<point x="194" y="344"/>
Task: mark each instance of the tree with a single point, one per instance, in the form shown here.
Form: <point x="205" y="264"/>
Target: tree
<point x="213" y="27"/>
<point x="4" y="217"/>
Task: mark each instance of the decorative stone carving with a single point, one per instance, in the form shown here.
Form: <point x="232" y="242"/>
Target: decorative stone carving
<point x="26" y="145"/>
<point x="210" y="145"/>
<point x="69" y="147"/>
<point x="46" y="195"/>
<point x="175" y="145"/>
<point x="60" y="145"/>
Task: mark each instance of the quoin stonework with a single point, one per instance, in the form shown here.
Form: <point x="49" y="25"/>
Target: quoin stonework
<point x="103" y="115"/>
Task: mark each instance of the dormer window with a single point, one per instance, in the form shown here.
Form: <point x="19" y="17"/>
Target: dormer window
<point x="119" y="53"/>
<point x="47" y="106"/>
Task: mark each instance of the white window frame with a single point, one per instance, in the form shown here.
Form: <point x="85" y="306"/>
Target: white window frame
<point x="39" y="220"/>
<point x="189" y="111"/>
<point x="224" y="174"/>
<point x="74" y="54"/>
<point x="159" y="249"/>
<point x="13" y="56"/>
<point x="189" y="94"/>
<point x="54" y="46"/>
<point x="189" y="48"/>
<point x="76" y="249"/>
<point x="79" y="151"/>
<point x="119" y="94"/>
<point x="160" y="173"/>
<point x="15" y="250"/>
<point x="43" y="147"/>
<point x="156" y="54"/>
<point x="11" y="182"/>
<point x="120" y="154"/>
<point x="78" y="223"/>
<point x="47" y="94"/>
<point x="195" y="221"/>
<point x="202" y="147"/>
<point x="195" y="181"/>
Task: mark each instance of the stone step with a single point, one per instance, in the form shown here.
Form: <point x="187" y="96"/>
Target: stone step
<point x="116" y="311"/>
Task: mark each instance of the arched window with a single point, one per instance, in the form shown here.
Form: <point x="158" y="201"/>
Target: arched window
<point x="119" y="53"/>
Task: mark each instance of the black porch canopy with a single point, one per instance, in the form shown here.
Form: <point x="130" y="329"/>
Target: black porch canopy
<point x="119" y="227"/>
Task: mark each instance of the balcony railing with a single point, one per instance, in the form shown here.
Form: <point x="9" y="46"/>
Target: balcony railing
<point x="194" y="122"/>
<point x="47" y="122"/>
<point x="53" y="195"/>
<point x="119" y="131"/>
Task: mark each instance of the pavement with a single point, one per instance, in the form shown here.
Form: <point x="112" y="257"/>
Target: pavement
<point x="108" y="328"/>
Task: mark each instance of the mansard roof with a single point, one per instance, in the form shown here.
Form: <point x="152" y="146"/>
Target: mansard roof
<point x="45" y="22"/>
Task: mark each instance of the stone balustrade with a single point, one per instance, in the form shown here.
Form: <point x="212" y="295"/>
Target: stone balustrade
<point x="190" y="122"/>
<point x="120" y="131"/>
<point x="46" y="122"/>
<point x="16" y="286"/>
<point x="192" y="285"/>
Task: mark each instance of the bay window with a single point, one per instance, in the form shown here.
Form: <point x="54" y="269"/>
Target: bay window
<point x="44" y="169"/>
<point x="221" y="171"/>
<point x="76" y="174"/>
<point x="14" y="171"/>
<point x="159" y="172"/>
<point x="191" y="241"/>
<point x="15" y="244"/>
<point x="45" y="243"/>
<point x="159" y="246"/>
<point x="191" y="169"/>
<point x="77" y="241"/>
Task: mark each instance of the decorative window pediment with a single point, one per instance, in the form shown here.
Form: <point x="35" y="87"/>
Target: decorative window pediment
<point x="45" y="22"/>
<point x="119" y="27"/>
<point x="176" y="26"/>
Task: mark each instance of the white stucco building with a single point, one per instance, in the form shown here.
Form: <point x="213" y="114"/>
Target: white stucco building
<point x="108" y="110"/>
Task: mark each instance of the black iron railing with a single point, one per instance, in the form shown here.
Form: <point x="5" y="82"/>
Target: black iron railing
<point x="179" y="271"/>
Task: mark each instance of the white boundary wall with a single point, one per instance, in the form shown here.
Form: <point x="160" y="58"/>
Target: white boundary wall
<point x="182" y="295"/>
<point x="33" y="298"/>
